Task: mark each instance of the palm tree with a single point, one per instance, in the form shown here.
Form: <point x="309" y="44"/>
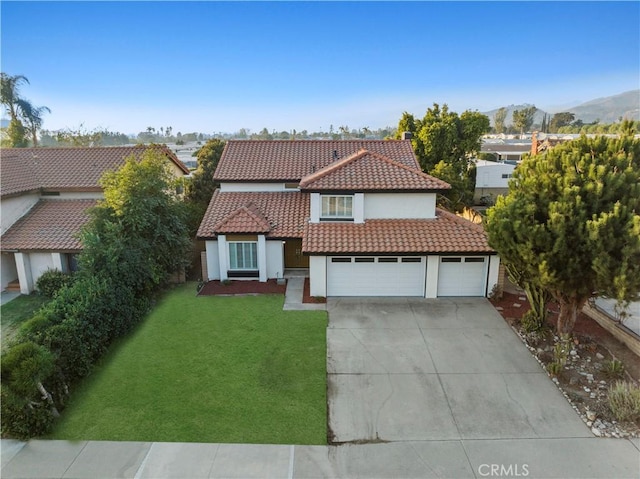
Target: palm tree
<point x="20" y="109"/>
<point x="32" y="116"/>
<point x="10" y="93"/>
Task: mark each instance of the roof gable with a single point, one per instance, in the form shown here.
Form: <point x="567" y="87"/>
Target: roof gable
<point x="285" y="212"/>
<point x="71" y="168"/>
<point x="246" y="219"/>
<point x="366" y="171"/>
<point x="291" y="160"/>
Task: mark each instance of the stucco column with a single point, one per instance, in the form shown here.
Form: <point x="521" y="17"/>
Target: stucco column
<point x="23" y="265"/>
<point x="223" y="257"/>
<point x="358" y="208"/>
<point x="262" y="258"/>
<point x="431" y="288"/>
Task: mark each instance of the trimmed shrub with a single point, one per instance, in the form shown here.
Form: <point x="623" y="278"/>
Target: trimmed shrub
<point x="52" y="281"/>
<point x="22" y="418"/>
<point x="27" y="406"/>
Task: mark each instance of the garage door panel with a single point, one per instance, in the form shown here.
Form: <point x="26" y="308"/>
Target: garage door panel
<point x="375" y="276"/>
<point x="462" y="276"/>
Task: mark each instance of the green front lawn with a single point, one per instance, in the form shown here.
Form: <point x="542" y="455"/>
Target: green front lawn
<point x="209" y="369"/>
<point x="17" y="311"/>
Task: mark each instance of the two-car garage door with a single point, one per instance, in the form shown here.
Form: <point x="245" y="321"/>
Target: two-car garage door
<point x="376" y="276"/>
<point x="405" y="276"/>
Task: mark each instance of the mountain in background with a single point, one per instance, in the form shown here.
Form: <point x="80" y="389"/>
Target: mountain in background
<point x="608" y="109"/>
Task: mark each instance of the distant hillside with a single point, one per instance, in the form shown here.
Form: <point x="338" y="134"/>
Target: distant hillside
<point x="610" y="109"/>
<point x="4" y="123"/>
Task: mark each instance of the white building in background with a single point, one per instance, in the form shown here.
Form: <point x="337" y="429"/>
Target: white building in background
<point x="492" y="180"/>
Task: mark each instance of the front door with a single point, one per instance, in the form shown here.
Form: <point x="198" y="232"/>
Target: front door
<point x="293" y="257"/>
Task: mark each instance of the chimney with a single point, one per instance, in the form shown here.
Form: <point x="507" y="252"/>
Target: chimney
<point x="406" y="135"/>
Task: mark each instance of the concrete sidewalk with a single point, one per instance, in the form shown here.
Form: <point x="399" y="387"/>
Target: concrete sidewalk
<point x="532" y="458"/>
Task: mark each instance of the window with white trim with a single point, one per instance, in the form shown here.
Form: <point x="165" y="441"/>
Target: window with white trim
<point x="243" y="255"/>
<point x="337" y="207"/>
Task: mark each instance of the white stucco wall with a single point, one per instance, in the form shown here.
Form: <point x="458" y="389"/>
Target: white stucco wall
<point x="431" y="284"/>
<point x="314" y="208"/>
<point x="40" y="262"/>
<point x="8" y="272"/>
<point x="253" y="187"/>
<point x="14" y="208"/>
<point x="494" y="271"/>
<point x="213" y="264"/>
<point x="275" y="259"/>
<point x="318" y="276"/>
<point x="489" y="174"/>
<point x="399" y="205"/>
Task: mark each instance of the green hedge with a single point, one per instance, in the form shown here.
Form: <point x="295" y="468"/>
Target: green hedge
<point x="74" y="331"/>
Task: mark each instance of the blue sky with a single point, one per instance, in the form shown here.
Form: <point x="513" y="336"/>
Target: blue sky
<point x="222" y="66"/>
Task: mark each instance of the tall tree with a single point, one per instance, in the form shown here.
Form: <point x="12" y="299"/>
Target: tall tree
<point x="32" y="116"/>
<point x="12" y="101"/>
<point x="558" y="120"/>
<point x="10" y="93"/>
<point x="444" y="143"/>
<point x="571" y="222"/>
<point x="201" y="187"/>
<point x="138" y="232"/>
<point x="20" y="111"/>
<point x="545" y="124"/>
<point x="523" y="119"/>
<point x="498" y="120"/>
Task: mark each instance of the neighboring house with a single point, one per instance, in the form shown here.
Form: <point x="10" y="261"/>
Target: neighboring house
<point x="45" y="194"/>
<point x="505" y="149"/>
<point x="359" y="214"/>
<point x="492" y="180"/>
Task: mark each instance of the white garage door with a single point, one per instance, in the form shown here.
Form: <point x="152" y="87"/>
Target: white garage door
<point x="462" y="275"/>
<point x="370" y="276"/>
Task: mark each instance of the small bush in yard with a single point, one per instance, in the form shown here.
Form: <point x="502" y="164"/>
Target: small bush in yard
<point x="624" y="401"/>
<point x="613" y="369"/>
<point x="554" y="368"/>
<point x="52" y="281"/>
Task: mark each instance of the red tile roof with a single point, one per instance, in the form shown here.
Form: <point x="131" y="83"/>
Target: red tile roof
<point x="367" y="171"/>
<point x="246" y="219"/>
<point x="284" y="212"/>
<point x="291" y="160"/>
<point x="51" y="225"/>
<point x="447" y="233"/>
<point x="60" y="169"/>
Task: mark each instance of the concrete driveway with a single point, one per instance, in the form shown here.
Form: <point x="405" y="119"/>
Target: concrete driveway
<point x="403" y="369"/>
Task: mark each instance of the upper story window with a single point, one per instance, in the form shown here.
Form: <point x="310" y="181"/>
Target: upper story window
<point x="337" y="207"/>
